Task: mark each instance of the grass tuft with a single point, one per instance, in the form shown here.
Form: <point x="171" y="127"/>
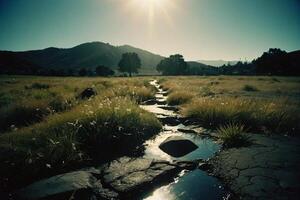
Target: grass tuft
<point x="37" y="86"/>
<point x="179" y="97"/>
<point x="233" y="135"/>
<point x="250" y="88"/>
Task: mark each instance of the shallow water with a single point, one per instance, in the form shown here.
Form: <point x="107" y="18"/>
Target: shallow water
<point x="206" y="146"/>
<point x="189" y="185"/>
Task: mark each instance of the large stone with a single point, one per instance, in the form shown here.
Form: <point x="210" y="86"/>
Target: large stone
<point x="169" y="120"/>
<point x="63" y="185"/>
<point x="177" y="146"/>
<point x="77" y="185"/>
<point x="128" y="176"/>
<point x="87" y="93"/>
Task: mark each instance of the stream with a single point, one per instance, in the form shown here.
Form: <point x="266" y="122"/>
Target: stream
<point x="189" y="185"/>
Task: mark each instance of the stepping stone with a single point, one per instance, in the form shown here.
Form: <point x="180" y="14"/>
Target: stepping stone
<point x="177" y="146"/>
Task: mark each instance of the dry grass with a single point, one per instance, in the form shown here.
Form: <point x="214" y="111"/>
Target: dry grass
<point x="219" y="100"/>
<point x="50" y="135"/>
<point x="179" y="97"/>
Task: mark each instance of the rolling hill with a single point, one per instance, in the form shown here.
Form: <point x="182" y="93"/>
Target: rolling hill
<point x="87" y="55"/>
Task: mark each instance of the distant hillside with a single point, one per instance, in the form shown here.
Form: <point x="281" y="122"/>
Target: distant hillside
<point x="87" y="55"/>
<point x="217" y="63"/>
<point x="197" y="68"/>
<point x="68" y="61"/>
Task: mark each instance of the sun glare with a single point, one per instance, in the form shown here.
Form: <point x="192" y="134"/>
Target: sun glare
<point x="153" y="9"/>
<point x="152" y="2"/>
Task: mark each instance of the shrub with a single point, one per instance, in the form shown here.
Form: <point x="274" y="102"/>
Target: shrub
<point x="275" y="79"/>
<point x="58" y="104"/>
<point x="5" y="99"/>
<point x="233" y="135"/>
<point x="138" y="94"/>
<point x="250" y="88"/>
<point x="179" y="97"/>
<point x="23" y="113"/>
<point x="37" y="86"/>
<point x="206" y="91"/>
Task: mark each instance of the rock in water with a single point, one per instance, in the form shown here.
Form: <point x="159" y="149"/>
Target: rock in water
<point x="129" y="174"/>
<point x="177" y="146"/>
<point x="87" y="93"/>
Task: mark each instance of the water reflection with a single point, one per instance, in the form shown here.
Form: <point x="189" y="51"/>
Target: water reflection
<point x="193" y="185"/>
<point x="206" y="147"/>
<point x="158" y="110"/>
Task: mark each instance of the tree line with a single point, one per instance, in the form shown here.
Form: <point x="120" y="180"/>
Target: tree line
<point x="273" y="62"/>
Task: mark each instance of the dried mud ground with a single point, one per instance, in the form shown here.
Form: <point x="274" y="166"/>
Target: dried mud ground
<point x="267" y="169"/>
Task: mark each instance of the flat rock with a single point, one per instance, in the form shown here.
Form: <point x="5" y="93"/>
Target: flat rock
<point x="150" y="102"/>
<point x="64" y="184"/>
<point x="130" y="175"/>
<point x="170" y="120"/>
<point x="177" y="146"/>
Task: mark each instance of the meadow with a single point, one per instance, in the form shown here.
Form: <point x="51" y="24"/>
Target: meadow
<point x="46" y="128"/>
<point x="258" y="103"/>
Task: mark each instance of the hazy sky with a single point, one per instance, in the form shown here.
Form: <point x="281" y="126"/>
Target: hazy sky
<point x="198" y="29"/>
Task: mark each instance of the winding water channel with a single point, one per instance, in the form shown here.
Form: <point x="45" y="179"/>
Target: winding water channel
<point x="189" y="185"/>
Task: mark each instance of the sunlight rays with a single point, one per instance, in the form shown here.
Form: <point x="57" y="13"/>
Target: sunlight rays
<point x="155" y="12"/>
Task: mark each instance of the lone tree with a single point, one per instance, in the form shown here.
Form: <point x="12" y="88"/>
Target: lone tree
<point x="104" y="71"/>
<point x="174" y="65"/>
<point x="130" y="62"/>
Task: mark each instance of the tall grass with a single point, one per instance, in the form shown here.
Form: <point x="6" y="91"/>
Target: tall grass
<point x="257" y="115"/>
<point x="45" y="96"/>
<point x="49" y="131"/>
<point x="100" y="129"/>
<point x="179" y="97"/>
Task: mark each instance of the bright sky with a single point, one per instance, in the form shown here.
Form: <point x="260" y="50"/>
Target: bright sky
<point x="198" y="29"/>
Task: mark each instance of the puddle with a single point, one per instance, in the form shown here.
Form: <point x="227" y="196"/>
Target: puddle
<point x="192" y="185"/>
<point x="206" y="146"/>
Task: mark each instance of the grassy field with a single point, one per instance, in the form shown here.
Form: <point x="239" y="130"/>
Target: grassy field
<point x="47" y="128"/>
<point x="261" y="104"/>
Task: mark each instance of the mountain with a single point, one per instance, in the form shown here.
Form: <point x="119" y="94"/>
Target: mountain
<point x="217" y="63"/>
<point x="87" y="55"/>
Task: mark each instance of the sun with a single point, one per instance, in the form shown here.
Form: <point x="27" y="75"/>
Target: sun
<point x="146" y="5"/>
<point x="152" y="12"/>
<point x="151" y="8"/>
<point x="152" y="2"/>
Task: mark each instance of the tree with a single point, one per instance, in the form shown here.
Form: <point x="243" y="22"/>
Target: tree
<point x="104" y="71"/>
<point x="82" y="72"/>
<point x="130" y="62"/>
<point x="174" y="65"/>
<point x="273" y="62"/>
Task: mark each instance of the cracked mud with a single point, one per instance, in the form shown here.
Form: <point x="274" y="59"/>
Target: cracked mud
<point x="268" y="169"/>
